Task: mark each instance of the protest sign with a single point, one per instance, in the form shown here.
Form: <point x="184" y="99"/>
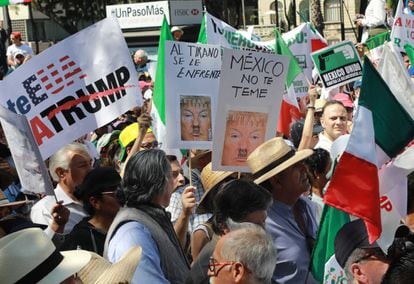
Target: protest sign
<point x="74" y="87"/>
<point x="337" y="64"/>
<point x="192" y="74"/>
<point x="251" y="92"/>
<point x="220" y="33"/>
<point x="30" y="167"/>
<point x="301" y="42"/>
<point x="403" y="28"/>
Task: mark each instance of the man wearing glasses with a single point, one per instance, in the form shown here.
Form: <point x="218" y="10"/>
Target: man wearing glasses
<point x="97" y="193"/>
<point x="363" y="262"/>
<point x="243" y="256"/>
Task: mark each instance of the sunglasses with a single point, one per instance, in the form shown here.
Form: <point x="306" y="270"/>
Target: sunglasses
<point x="151" y="145"/>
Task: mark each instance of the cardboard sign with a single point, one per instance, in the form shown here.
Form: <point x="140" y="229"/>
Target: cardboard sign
<point x="403" y="28"/>
<point x="30" y="167"/>
<point x="251" y="92"/>
<point x="338" y="64"/>
<point x="74" y="87"/>
<point x="192" y="74"/>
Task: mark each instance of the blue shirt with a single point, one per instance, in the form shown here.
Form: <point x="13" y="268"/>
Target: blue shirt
<point x="293" y="254"/>
<point x="132" y="234"/>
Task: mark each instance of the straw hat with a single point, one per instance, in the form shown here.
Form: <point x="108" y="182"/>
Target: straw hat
<point x="210" y="179"/>
<point x="35" y="255"/>
<point x="31" y="257"/>
<point x="198" y="154"/>
<point x="272" y="157"/>
<point x="99" y="270"/>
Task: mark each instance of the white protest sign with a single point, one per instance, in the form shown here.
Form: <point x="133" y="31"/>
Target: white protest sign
<point x="251" y="92"/>
<point x="220" y="33"/>
<point x="403" y="29"/>
<point x="301" y="42"/>
<point x="29" y="164"/>
<point x="74" y="87"/>
<point x="192" y="73"/>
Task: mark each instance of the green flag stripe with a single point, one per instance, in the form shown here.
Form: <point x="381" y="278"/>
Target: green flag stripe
<point x="159" y="86"/>
<point x="393" y="126"/>
<point x="202" y="35"/>
<point x="378" y="40"/>
<point x="283" y="49"/>
<point x="332" y="221"/>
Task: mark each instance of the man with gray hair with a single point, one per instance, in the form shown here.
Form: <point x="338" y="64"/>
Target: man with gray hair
<point x="140" y="61"/>
<point x="245" y="255"/>
<point x="68" y="167"/>
<point x="363" y="262"/>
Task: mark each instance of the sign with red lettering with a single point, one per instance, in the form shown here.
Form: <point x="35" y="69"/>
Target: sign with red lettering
<point x="74" y="87"/>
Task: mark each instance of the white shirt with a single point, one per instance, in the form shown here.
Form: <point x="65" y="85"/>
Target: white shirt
<point x="324" y="142"/>
<point x="40" y="212"/>
<point x="24" y="49"/>
<point x="374" y="16"/>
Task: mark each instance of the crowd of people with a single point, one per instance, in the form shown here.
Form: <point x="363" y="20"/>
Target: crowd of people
<point x="125" y="211"/>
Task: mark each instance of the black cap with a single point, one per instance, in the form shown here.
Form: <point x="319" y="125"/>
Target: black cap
<point x="297" y="129"/>
<point x="98" y="180"/>
<point x="351" y="236"/>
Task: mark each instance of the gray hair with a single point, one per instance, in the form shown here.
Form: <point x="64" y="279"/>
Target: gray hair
<point x="355" y="256"/>
<point x="146" y="176"/>
<point x="62" y="158"/>
<point x="252" y="247"/>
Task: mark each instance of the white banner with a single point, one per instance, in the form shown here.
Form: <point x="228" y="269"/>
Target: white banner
<point x="220" y="33"/>
<point x="139" y="15"/>
<point x="186" y="12"/>
<point x="251" y="91"/>
<point x="192" y="74"/>
<point x="30" y="167"/>
<point x="403" y="30"/>
<point x="74" y="87"/>
<point x="394" y="73"/>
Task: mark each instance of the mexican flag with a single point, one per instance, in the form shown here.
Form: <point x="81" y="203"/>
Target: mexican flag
<point x="382" y="128"/>
<point x="325" y="267"/>
<point x="12" y="2"/>
<point x="375" y="45"/>
<point x="158" y="98"/>
<point x="289" y="111"/>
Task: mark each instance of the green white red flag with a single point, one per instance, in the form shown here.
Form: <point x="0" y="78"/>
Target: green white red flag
<point x="12" y="2"/>
<point x="158" y="98"/>
<point x="382" y="129"/>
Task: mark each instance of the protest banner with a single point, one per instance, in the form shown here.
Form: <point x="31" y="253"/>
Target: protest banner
<point x="30" y="167"/>
<point x="337" y="64"/>
<point x="301" y="42"/>
<point x="402" y="32"/>
<point x="251" y="92"/>
<point x="74" y="87"/>
<point x="192" y="74"/>
<point x="220" y="33"/>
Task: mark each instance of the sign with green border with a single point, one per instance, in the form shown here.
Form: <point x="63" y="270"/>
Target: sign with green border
<point x="337" y="64"/>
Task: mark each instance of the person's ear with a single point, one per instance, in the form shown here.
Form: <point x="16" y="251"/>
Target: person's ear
<point x="94" y="201"/>
<point x="358" y="273"/>
<point x="60" y="172"/>
<point x="238" y="272"/>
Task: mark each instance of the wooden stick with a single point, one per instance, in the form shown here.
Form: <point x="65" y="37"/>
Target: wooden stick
<point x="189" y="167"/>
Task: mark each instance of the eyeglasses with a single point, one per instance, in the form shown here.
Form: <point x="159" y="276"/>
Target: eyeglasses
<point x="213" y="263"/>
<point x="110" y="193"/>
<point x="151" y="145"/>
